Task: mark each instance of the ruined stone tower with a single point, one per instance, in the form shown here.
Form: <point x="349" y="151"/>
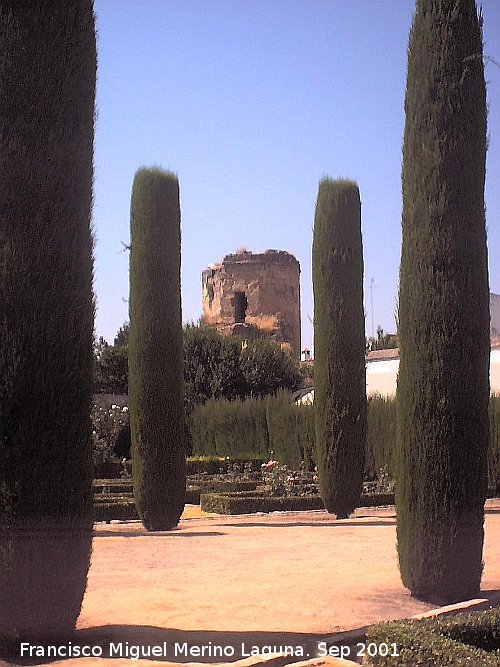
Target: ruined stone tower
<point x="260" y="289"/>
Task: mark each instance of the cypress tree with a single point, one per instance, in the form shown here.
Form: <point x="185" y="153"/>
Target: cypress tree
<point x="339" y="345"/>
<point x="443" y="383"/>
<point x="47" y="83"/>
<point x="156" y="350"/>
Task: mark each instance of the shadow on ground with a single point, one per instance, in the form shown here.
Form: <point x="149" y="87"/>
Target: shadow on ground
<point x="174" y="645"/>
<point x="341" y="524"/>
<point x="122" y="533"/>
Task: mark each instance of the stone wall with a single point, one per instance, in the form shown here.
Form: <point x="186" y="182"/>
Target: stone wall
<point x="260" y="289"/>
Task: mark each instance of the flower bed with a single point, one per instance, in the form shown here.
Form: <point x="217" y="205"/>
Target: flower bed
<point x="222" y="486"/>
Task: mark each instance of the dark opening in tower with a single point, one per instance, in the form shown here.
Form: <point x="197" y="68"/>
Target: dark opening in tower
<point x="240" y="307"/>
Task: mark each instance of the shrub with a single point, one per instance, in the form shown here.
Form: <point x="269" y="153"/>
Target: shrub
<point x="108" y="424"/>
<point x="47" y="77"/>
<point x="211" y="365"/>
<point x="282" y="425"/>
<point x="464" y="639"/>
<point x="155" y="350"/>
<point x="443" y="308"/>
<point x="494" y="448"/>
<point x="267" y="368"/>
<point x="236" y="429"/>
<point x="339" y="345"/>
<point x="380" y="436"/>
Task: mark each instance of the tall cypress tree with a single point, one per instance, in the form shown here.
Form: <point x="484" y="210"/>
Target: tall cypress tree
<point x="339" y="345"/>
<point x="47" y="84"/>
<point x="156" y="350"/>
<point x="443" y="384"/>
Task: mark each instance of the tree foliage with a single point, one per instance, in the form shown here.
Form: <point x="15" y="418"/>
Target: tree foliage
<point x="47" y="82"/>
<point x="339" y="345"/>
<point x="155" y="350"/>
<point x="110" y="368"/>
<point x="443" y="384"/>
<point x="211" y="365"/>
<point x="215" y="366"/>
<point x="267" y="368"/>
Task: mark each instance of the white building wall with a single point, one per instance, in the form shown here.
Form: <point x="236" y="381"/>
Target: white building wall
<point x="495" y="314"/>
<point x="381" y="375"/>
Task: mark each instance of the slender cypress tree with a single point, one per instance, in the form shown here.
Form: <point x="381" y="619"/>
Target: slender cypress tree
<point x="443" y="383"/>
<point x="47" y="84"/>
<point x="339" y="345"/>
<point x="156" y="350"/>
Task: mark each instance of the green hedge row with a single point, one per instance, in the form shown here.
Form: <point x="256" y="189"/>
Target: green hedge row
<point x="249" y="502"/>
<point x="466" y="639"/>
<point x="254" y="428"/>
<point x="230" y="428"/>
<point x="275" y="426"/>
<point x="121" y="507"/>
<point x="195" y="465"/>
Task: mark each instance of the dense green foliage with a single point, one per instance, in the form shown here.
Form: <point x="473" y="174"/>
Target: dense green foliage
<point x="211" y="365"/>
<point x="465" y="639"/>
<point x="494" y="448"/>
<point x="230" y="428"/>
<point x="339" y="345"/>
<point x="291" y="431"/>
<point x="110" y="368"/>
<point x="443" y="385"/>
<point x="267" y="368"/>
<point x="47" y="80"/>
<point x="155" y="350"/>
<point x="380" y="436"/>
<point x="215" y="366"/>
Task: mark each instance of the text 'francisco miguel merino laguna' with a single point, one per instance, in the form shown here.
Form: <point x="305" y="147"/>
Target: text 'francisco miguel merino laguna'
<point x="136" y="651"/>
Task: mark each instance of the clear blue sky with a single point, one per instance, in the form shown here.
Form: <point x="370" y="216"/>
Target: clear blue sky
<point x="251" y="103"/>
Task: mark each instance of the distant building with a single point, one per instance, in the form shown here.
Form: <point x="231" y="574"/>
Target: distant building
<point x="261" y="289"/>
<point x="495" y="315"/>
<point x="382" y="371"/>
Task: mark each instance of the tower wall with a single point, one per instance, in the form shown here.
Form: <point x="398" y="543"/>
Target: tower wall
<point x="270" y="282"/>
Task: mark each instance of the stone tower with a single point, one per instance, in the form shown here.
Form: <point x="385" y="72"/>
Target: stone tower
<point x="260" y="289"/>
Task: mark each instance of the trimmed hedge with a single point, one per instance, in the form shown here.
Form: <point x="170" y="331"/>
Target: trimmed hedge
<point x="299" y="424"/>
<point x="215" y="465"/>
<point x="381" y="436"/>
<point x="112" y="511"/>
<point x="494" y="448"/>
<point x="294" y="425"/>
<point x="243" y="504"/>
<point x="247" y="502"/>
<point x="230" y="428"/>
<point x="291" y="431"/>
<point x="121" y="507"/>
<point x="466" y="639"/>
<point x="229" y="486"/>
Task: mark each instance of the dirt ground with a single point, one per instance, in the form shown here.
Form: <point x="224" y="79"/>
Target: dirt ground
<point x="281" y="579"/>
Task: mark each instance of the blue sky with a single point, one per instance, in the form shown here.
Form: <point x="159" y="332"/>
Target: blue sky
<point x="251" y="103"/>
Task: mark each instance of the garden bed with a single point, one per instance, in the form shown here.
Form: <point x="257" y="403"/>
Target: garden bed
<point x="219" y="485"/>
<point x="465" y="639"/>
